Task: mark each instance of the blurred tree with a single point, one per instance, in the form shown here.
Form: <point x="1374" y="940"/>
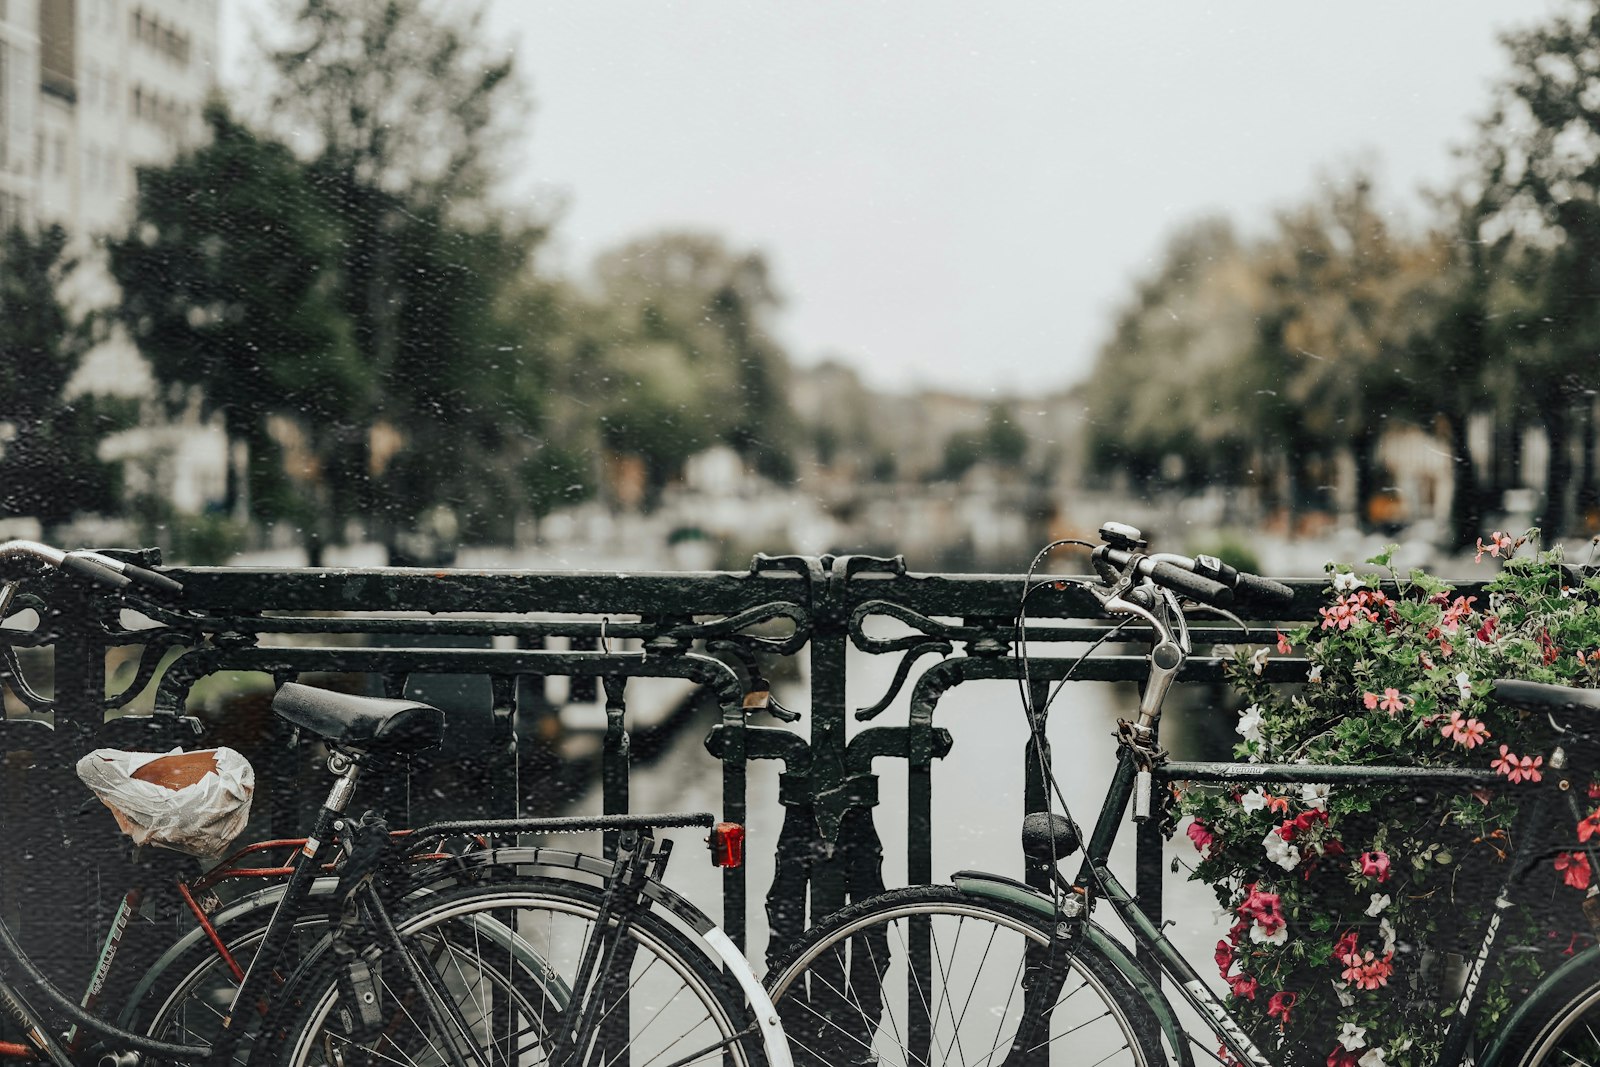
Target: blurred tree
<point x="230" y="278"/>
<point x="1453" y="350"/>
<point x="686" y="356"/>
<point x="1335" y="334"/>
<point x="401" y="95"/>
<point x="48" y="463"/>
<point x="1175" y="398"/>
<point x="408" y="113"/>
<point x="1538" y="159"/>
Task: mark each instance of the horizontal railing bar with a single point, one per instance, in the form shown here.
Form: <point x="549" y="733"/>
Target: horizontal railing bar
<point x="1318" y="774"/>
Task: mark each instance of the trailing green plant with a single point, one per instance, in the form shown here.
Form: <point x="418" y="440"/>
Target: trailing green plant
<point x="1348" y="902"/>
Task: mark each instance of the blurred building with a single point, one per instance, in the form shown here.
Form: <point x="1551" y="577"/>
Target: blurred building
<point x="90" y="90"/>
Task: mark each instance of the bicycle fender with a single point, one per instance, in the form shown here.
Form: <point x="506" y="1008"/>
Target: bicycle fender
<point x="1535" y="1002"/>
<point x="773" y="1040"/>
<point x="995" y="887"/>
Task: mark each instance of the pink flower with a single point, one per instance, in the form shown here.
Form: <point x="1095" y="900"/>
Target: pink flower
<point x="1518" y="768"/>
<point x="1467" y="733"/>
<point x="1372" y="973"/>
<point x="1574" y="868"/>
<point x="1499" y="542"/>
<point x="1376" y="973"/>
<point x="1353" y="967"/>
<point x="1201" y="836"/>
<point x="1279" y="1005"/>
<point x="1392" y="701"/>
<point x="1375" y="864"/>
<point x="1370" y="700"/>
<point x="1284" y="647"/>
<point x="1456" y="612"/>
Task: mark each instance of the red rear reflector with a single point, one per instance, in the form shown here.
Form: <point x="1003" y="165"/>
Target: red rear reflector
<point x="727" y="844"/>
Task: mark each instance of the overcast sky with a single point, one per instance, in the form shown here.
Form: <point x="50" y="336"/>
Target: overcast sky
<point x="956" y="194"/>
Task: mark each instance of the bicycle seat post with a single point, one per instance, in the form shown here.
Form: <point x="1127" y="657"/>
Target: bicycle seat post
<point x="347" y="766"/>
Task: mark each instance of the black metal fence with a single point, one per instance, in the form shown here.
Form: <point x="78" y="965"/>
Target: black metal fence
<point x="728" y="633"/>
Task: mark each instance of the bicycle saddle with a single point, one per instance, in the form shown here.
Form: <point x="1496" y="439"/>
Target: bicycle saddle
<point x="367" y="723"/>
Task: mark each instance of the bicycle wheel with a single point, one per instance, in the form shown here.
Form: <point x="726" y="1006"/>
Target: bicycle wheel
<point x="1568" y="1035"/>
<point x="507" y="958"/>
<point x="852" y="991"/>
<point x="185" y="999"/>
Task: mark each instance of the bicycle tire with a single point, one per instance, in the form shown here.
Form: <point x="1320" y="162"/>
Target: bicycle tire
<point x="846" y="995"/>
<point x="499" y="940"/>
<point x="185" y="999"/>
<point x="1571" y="1029"/>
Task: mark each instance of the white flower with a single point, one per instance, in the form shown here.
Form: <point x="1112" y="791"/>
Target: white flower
<point x="1345" y="582"/>
<point x="1280" y="851"/>
<point x="1386" y="928"/>
<point x="1249" y="726"/>
<point x="1258" y="659"/>
<point x="1259" y="936"/>
<point x="1345" y="999"/>
<point x="1315" y="796"/>
<point x="1315" y="674"/>
<point x="1374" y="1058"/>
<point x="1254" y="800"/>
<point x="1464" y="684"/>
<point x="1353" y="1037"/>
<point x="1379" y="902"/>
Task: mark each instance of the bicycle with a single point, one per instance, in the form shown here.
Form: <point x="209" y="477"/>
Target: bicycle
<point x="490" y="954"/>
<point x="990" y="970"/>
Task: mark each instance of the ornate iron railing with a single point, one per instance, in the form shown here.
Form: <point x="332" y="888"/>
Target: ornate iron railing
<point x="726" y="632"/>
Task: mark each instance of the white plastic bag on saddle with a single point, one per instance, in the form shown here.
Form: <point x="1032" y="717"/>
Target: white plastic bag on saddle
<point x="195" y="802"/>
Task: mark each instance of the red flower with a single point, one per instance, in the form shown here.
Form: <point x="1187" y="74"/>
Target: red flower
<point x="1589" y="826"/>
<point x="1201" y="836"/>
<point x="1485" y="632"/>
<point x="1264" y="908"/>
<point x="1375" y="864"/>
<point x="1574" y="868"/>
<point x="1346" y="945"/>
<point x="1343" y="1057"/>
<point x="1224" y="957"/>
<point x="1548" y="647"/>
<point x="1279" y="1005"/>
<point x="1243" y="986"/>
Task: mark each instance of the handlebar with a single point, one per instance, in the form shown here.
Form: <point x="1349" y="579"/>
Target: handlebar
<point x="1202" y="578"/>
<point x="103" y="570"/>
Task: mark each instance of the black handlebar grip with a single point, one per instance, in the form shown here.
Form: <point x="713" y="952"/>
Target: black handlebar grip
<point x="1263" y="592"/>
<point x="160" y="583"/>
<point x="87" y="568"/>
<point x="1192" y="585"/>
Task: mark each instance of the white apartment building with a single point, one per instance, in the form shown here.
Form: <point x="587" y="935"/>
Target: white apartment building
<point x="89" y="91"/>
<point x="116" y="84"/>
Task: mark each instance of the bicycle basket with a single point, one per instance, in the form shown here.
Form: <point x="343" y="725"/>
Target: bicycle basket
<point x="195" y="802"/>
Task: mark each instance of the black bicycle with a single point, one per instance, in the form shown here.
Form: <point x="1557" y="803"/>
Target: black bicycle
<point x="992" y="971"/>
<point x="449" y="944"/>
